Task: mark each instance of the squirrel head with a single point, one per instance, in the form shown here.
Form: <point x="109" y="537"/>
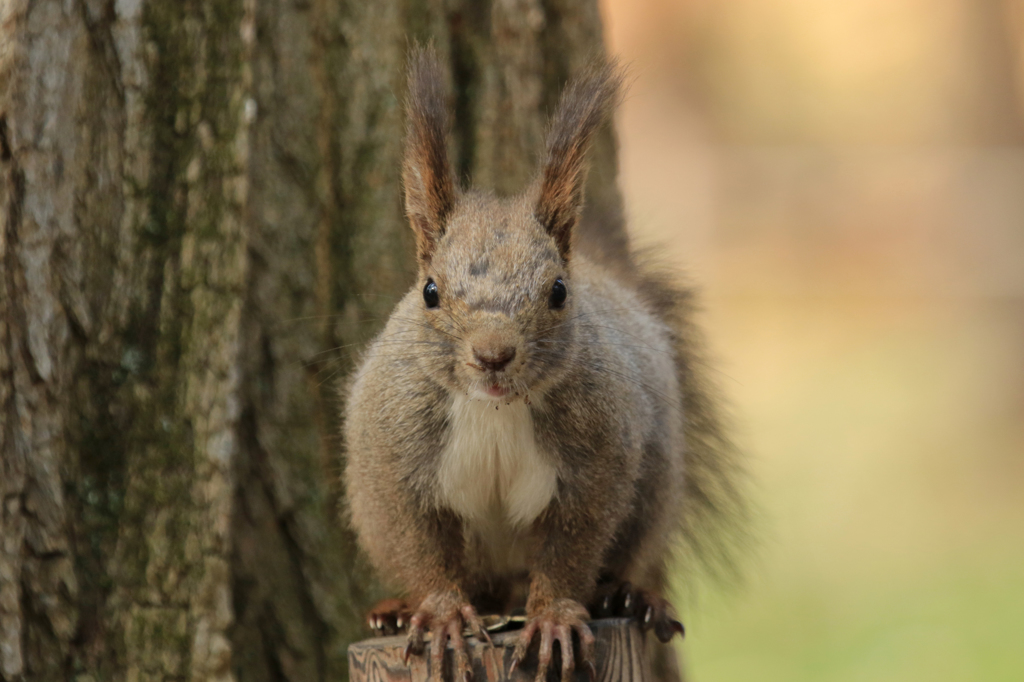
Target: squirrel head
<point x="495" y="273"/>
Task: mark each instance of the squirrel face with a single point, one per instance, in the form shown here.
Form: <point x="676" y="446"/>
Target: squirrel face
<point x="497" y="297"/>
<point x="496" y="315"/>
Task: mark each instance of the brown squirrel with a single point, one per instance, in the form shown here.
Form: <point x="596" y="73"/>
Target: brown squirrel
<point x="532" y="415"/>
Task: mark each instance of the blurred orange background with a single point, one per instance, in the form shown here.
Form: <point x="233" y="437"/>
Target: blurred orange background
<point x="845" y="181"/>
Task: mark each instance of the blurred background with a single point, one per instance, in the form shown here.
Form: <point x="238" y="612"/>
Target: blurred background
<point x="845" y="181"/>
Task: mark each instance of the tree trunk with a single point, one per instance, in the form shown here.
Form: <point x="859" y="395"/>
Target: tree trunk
<point x="200" y="221"/>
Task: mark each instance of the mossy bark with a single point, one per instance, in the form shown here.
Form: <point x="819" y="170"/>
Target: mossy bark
<point x="200" y="221"/>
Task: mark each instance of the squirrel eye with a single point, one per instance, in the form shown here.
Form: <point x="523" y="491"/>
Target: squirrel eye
<point x="558" y="294"/>
<point x="430" y="296"/>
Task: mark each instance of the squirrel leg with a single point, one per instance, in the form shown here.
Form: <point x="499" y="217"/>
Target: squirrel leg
<point x="561" y="579"/>
<point x="424" y="552"/>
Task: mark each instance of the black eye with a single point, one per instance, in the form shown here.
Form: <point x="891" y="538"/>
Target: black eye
<point x="558" y="294"/>
<point x="430" y="294"/>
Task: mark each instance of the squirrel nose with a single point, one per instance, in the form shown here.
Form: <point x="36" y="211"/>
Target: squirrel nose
<point x="495" y="359"/>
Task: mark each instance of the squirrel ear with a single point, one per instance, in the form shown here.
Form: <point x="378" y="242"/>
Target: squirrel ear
<point x="426" y="172"/>
<point x="581" y="111"/>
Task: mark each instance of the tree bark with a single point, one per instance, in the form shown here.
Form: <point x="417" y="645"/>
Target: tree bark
<point x="200" y="223"/>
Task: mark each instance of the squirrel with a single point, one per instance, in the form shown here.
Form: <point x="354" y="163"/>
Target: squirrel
<point x="532" y="421"/>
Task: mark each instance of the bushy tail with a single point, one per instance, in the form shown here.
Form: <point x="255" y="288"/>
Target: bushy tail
<point x="715" y="515"/>
<point x="715" y="519"/>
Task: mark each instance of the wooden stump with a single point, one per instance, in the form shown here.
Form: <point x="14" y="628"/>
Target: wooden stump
<point x="619" y="653"/>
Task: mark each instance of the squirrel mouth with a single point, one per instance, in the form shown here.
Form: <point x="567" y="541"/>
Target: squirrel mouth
<point x="496" y="391"/>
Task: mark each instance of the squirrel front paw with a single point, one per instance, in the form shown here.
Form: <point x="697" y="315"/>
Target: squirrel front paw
<point x="444" y="615"/>
<point x="556" y="623"/>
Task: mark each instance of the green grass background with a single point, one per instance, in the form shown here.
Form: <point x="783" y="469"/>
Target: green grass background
<point x="887" y="448"/>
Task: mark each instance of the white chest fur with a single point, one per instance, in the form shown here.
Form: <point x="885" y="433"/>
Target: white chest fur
<point x="492" y="472"/>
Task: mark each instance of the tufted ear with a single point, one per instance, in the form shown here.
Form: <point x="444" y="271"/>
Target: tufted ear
<point x="584" y="105"/>
<point x="427" y="174"/>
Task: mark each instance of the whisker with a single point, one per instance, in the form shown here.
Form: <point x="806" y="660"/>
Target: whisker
<point x="384" y="340"/>
<point x="426" y="326"/>
<point x="338" y="364"/>
<point x="598" y="367"/>
<point x="591" y="342"/>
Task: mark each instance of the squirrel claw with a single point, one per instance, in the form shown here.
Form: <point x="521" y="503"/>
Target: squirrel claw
<point x="667" y="627"/>
<point x="557" y="623"/>
<point x="614" y="600"/>
<point x="389" y="617"/>
<point x="513" y="665"/>
<point x="445" y="615"/>
<point x="648" y="609"/>
<point x="475" y="625"/>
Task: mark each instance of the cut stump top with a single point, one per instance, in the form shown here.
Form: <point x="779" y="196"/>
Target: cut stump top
<point x="619" y="655"/>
